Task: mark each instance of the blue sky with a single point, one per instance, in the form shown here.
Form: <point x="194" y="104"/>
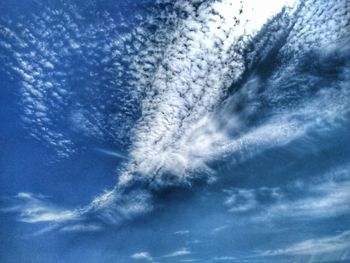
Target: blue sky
<point x="185" y="131"/>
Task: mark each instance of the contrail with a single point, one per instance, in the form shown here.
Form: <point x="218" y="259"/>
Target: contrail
<point x="112" y="153"/>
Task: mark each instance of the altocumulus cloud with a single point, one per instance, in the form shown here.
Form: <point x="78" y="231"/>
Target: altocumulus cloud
<point x="186" y="100"/>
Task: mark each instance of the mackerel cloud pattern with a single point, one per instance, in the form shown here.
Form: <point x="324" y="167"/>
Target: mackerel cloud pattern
<point x="196" y="89"/>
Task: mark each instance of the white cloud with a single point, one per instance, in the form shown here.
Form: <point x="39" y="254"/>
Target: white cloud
<point x="324" y="200"/>
<point x="112" y="153"/>
<point x="240" y="200"/>
<point x="175" y="126"/>
<point x="116" y="206"/>
<point x="182" y="232"/>
<point x="42" y="64"/>
<point x="184" y="74"/>
<point x="36" y="209"/>
<point x="321" y="249"/>
<point x="110" y="207"/>
<point x="177" y="134"/>
<point x="325" y="28"/>
<point x="326" y="196"/>
<point x="142" y="256"/>
<point x="220" y="228"/>
<point x="81" y="228"/>
<point x="147" y="256"/>
<point x="181" y="252"/>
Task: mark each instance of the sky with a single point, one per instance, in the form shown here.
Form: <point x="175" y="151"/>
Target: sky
<point x="174" y="131"/>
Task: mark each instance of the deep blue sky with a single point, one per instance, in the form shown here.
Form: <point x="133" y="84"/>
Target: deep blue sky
<point x="237" y="153"/>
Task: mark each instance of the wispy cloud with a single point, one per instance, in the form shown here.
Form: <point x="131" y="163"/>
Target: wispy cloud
<point x="220" y="228"/>
<point x="324" y="200"/>
<point x="191" y="260"/>
<point x="241" y="200"/>
<point x="182" y="232"/>
<point x="328" y="197"/>
<point x="181" y="252"/>
<point x="142" y="256"/>
<point x="320" y="249"/>
<point x="112" y="153"/>
<point x="110" y="207"/>
<point x="86" y="227"/>
<point x="33" y="208"/>
<point x="224" y="258"/>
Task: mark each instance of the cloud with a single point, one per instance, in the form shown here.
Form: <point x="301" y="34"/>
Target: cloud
<point x="327" y="196"/>
<point x="220" y="228"/>
<point x="181" y="84"/>
<point x="112" y="153"/>
<point x="108" y="208"/>
<point x="176" y="134"/>
<point x="191" y="260"/>
<point x="321" y="249"/>
<point x="179" y="124"/>
<point x="182" y="232"/>
<point x="176" y="125"/>
<point x="142" y="256"/>
<point x="332" y="31"/>
<point x="324" y="200"/>
<point x="241" y="200"/>
<point x="118" y="205"/>
<point x="181" y="252"/>
<point x="37" y="208"/>
<point x="147" y="256"/>
<point x="81" y="228"/>
<point x="40" y="58"/>
<point x="224" y="258"/>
